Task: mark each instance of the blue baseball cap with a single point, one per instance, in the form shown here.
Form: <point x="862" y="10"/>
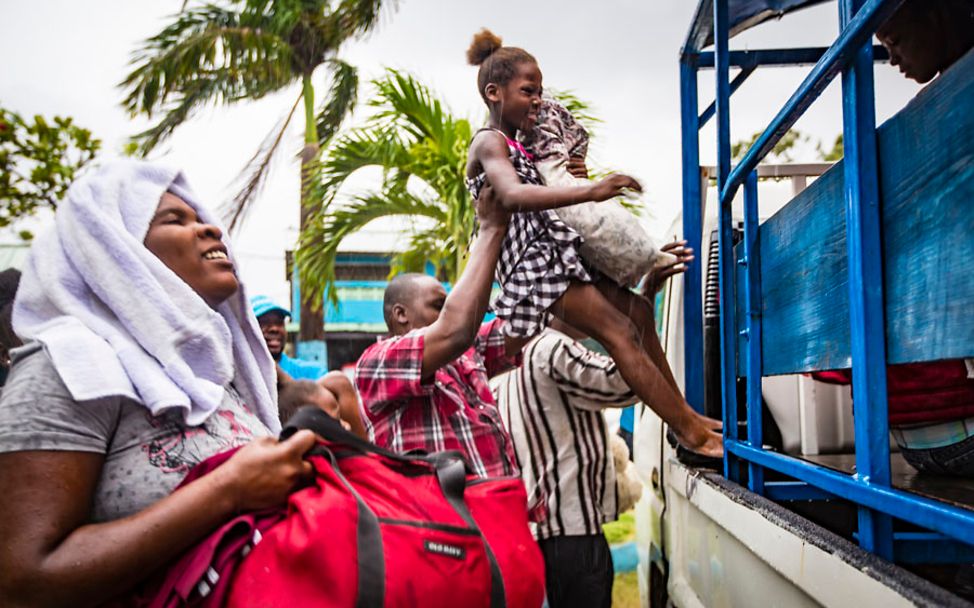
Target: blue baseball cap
<point x="263" y="305"/>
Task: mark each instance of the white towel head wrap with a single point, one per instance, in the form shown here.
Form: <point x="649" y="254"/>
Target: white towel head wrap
<point x="116" y="321"/>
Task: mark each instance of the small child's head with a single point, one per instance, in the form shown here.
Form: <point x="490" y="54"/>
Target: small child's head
<point x="293" y="395"/>
<point x="509" y="80"/>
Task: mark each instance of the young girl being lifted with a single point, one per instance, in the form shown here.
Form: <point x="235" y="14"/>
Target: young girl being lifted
<point x="540" y="270"/>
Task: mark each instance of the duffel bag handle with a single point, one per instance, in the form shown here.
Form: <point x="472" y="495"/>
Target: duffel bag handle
<point x="330" y="429"/>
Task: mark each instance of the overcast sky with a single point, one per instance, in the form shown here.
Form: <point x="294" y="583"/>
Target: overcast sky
<point x="66" y="57"/>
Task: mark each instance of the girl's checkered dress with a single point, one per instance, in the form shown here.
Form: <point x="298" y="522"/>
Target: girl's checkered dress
<point x="539" y="257"/>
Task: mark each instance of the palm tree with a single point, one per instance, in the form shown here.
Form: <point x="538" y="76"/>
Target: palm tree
<point x="241" y="50"/>
<point x="421" y="148"/>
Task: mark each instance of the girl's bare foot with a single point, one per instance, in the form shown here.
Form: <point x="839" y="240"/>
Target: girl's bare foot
<point x="703" y="441"/>
<point x="714" y="446"/>
<point x="712" y="423"/>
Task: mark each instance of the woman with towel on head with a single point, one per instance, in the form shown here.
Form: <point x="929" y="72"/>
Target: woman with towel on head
<point x="142" y="359"/>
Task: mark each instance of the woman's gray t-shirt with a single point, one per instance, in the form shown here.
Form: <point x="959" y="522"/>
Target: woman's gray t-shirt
<point x="146" y="456"/>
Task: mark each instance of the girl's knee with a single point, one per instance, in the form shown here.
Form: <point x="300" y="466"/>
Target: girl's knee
<point x="641" y="307"/>
<point x="622" y="334"/>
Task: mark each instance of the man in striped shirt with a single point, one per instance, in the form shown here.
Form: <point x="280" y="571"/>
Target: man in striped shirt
<point x="552" y="405"/>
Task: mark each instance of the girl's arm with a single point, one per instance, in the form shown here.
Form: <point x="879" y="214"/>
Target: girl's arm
<point x="490" y="150"/>
<point x="51" y="556"/>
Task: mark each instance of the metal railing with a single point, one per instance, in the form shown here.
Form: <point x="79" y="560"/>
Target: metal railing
<point x="852" y="56"/>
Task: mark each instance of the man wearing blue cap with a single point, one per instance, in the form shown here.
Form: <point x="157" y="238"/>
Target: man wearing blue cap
<point x="271" y="317"/>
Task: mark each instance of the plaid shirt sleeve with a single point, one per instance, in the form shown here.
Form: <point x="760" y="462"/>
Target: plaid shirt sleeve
<point x="389" y="372"/>
<point x="492" y="346"/>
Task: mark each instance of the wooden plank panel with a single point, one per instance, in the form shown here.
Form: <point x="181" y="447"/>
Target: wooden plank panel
<point x="926" y="155"/>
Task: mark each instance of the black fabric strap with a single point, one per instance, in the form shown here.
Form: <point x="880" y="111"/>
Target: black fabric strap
<point x="368" y="539"/>
<point x="314" y="419"/>
<point x="368" y="535"/>
<point x="330" y="429"/>
<point x="452" y="475"/>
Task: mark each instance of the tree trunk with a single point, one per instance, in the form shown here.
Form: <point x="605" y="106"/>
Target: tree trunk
<point x="312" y="321"/>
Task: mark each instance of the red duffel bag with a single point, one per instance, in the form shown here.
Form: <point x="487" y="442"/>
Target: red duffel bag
<point x="377" y="529"/>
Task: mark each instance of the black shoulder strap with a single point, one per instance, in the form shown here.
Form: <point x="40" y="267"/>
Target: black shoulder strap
<point x="328" y="428"/>
<point x="453" y="480"/>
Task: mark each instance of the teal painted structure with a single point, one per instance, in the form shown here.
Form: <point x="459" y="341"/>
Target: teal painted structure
<point x="359" y="306"/>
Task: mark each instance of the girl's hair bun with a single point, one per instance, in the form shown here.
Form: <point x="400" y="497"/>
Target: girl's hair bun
<point x="485" y="42"/>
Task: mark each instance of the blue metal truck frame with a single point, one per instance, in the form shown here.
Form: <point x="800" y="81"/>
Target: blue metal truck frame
<point x="949" y="534"/>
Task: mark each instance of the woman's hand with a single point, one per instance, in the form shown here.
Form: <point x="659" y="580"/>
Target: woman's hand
<point x="264" y="472"/>
<point x="53" y="555"/>
<point x="613" y="186"/>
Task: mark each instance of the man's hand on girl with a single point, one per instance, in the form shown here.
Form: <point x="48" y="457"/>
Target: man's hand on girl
<point x="490" y="213"/>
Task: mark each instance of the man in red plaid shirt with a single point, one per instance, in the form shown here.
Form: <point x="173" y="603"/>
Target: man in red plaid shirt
<point x="426" y="386"/>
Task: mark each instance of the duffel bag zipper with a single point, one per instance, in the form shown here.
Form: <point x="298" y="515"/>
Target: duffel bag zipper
<point x="429" y="526"/>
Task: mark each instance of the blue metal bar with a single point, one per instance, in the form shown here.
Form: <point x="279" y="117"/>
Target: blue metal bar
<point x="752" y="291"/>
<point x="867" y="323"/>
<point x="794" y="490"/>
<point x="939" y="516"/>
<point x="728" y="324"/>
<point x="777" y="57"/>
<point x="858" y="33"/>
<point x="697" y="25"/>
<point x="769" y="57"/>
<point x="693" y="380"/>
<point x="734" y="85"/>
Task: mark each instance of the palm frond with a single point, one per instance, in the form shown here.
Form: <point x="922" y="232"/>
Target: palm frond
<point x="436" y="140"/>
<point x="339" y="101"/>
<point x="420" y="147"/>
<point x="324" y="233"/>
<point x="359" y="149"/>
<point x="201" y="93"/>
<point x="429" y="245"/>
<point x="409" y="105"/>
<point x="361" y="16"/>
<point x="206" y="54"/>
<point x="254" y="174"/>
